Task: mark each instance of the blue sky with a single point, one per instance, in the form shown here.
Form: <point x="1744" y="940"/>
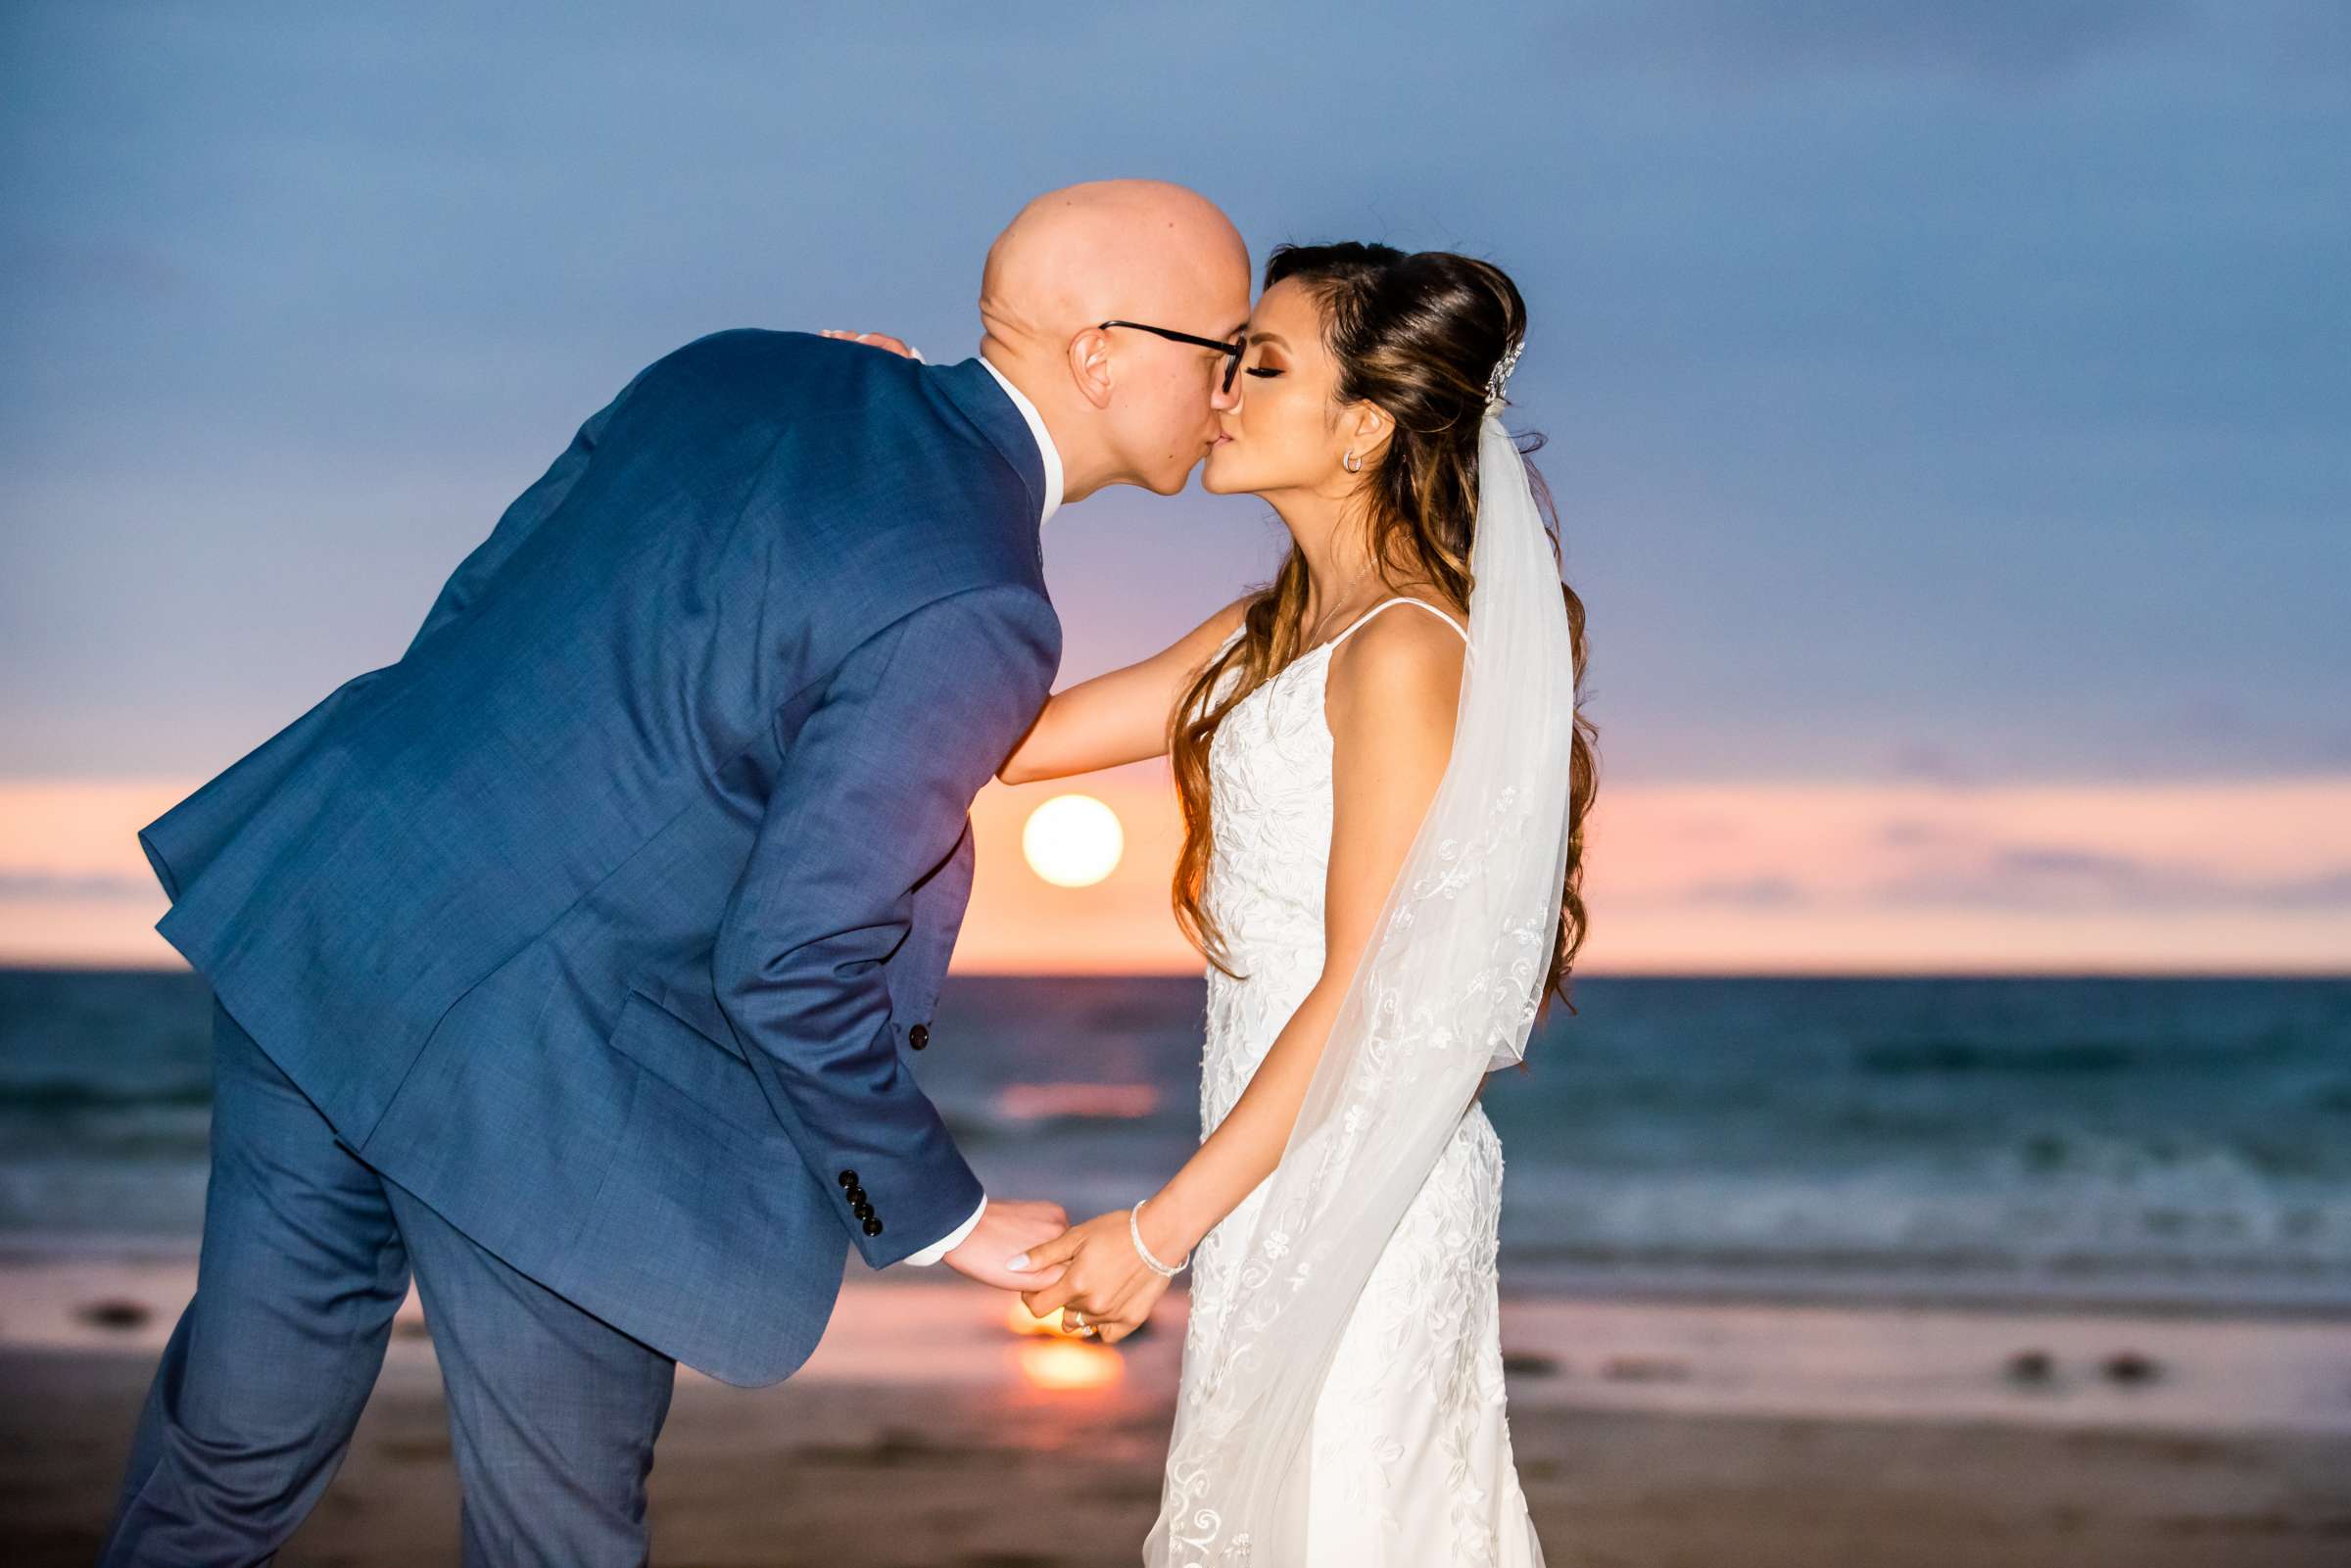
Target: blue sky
<point x="1936" y="390"/>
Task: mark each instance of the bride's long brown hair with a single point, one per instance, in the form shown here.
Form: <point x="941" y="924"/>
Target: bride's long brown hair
<point x="1415" y="335"/>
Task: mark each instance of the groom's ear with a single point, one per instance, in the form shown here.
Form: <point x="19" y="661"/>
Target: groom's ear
<point x="1089" y="365"/>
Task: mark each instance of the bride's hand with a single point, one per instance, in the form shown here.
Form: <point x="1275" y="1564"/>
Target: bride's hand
<point x="1133" y="1313"/>
<point x="1103" y="1278"/>
<point x="873" y="340"/>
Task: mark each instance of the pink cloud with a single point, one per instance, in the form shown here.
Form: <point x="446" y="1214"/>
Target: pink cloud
<point x="2251" y="875"/>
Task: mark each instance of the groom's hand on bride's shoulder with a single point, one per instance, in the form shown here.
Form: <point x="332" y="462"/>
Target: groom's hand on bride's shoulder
<point x="875" y="339"/>
<point x="1008" y="1229"/>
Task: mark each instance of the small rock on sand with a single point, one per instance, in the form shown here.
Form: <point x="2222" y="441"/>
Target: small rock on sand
<point x="1643" y="1369"/>
<point x="114" y="1312"/>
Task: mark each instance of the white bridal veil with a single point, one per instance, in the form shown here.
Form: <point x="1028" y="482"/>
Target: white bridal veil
<point x="1446" y="991"/>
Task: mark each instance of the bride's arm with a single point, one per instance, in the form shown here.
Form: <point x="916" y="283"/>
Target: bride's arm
<point x="1120" y="716"/>
<point x="1393" y="695"/>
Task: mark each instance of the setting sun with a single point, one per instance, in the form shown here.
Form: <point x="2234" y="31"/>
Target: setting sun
<point x="1072" y="840"/>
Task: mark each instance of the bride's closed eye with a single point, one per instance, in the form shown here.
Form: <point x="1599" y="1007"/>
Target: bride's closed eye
<point x="1267" y="365"/>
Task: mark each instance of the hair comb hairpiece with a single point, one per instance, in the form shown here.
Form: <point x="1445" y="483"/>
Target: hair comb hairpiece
<point x="1501" y="376"/>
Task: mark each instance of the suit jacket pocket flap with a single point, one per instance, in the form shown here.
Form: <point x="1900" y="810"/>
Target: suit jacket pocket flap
<point x="695" y="1066"/>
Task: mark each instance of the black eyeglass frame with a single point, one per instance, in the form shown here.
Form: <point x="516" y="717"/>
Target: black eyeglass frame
<point x="1231" y="350"/>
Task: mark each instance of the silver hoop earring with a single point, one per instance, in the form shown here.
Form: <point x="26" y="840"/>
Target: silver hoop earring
<point x="1351" y="462"/>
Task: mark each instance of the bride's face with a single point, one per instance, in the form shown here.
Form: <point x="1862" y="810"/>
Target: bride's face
<point x="1279" y="429"/>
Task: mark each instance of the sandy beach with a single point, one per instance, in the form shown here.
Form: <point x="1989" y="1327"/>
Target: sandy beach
<point x="1653" y="1433"/>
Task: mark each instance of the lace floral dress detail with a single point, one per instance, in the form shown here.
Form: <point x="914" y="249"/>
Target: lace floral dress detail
<point x="1411" y="1463"/>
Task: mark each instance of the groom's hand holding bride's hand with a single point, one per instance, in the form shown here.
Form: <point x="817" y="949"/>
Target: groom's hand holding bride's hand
<point x="1008" y="1227"/>
<point x="1094" y="1269"/>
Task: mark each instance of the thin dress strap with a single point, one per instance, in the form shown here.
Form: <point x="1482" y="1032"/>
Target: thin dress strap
<point x="1399" y="599"/>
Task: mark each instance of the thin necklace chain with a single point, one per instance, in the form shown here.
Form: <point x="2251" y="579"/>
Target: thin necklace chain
<point x="1338" y="604"/>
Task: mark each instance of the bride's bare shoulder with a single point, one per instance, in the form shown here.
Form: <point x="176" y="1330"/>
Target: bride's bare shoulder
<point x="1399" y="677"/>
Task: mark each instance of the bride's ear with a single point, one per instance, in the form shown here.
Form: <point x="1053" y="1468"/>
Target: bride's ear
<point x="1368" y="428"/>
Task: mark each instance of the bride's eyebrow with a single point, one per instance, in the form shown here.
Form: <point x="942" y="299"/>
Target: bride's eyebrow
<point x="1275" y="338"/>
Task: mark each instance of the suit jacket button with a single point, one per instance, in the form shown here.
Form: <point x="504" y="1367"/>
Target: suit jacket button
<point x="856" y="1196"/>
<point x="863" y="1211"/>
<point x="919" y="1036"/>
<point x="848" y="1178"/>
<point x="873" y="1227"/>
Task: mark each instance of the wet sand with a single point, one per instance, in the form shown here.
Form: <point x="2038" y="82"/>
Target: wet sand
<point x="1658" y="1433"/>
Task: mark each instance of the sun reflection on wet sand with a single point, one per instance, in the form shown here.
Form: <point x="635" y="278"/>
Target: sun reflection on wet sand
<point x="1034" y="1102"/>
<point x="1070" y="1364"/>
<point x="1052" y="1358"/>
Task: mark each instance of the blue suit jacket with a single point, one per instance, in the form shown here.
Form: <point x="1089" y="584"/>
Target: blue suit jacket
<point x="599" y="918"/>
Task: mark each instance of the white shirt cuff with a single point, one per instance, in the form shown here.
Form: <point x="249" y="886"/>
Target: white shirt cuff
<point x="951" y="1240"/>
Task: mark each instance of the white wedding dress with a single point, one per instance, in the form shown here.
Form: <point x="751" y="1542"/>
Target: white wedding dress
<point x="1409" y="1463"/>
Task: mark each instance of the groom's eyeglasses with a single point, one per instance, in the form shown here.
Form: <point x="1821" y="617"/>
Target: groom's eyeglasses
<point x="1231" y="351"/>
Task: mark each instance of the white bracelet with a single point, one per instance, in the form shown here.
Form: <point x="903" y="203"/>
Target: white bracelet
<point x="1134" y="1232"/>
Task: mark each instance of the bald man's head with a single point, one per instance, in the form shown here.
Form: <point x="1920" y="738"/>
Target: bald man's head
<point x="1132" y="250"/>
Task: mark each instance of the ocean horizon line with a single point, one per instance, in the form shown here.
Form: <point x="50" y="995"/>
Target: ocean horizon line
<point x="10" y="965"/>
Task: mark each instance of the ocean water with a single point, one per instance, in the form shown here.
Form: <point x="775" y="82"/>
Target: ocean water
<point x="2128" y="1140"/>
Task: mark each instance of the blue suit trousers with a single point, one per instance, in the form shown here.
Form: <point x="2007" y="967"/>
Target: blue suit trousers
<point x="307" y="1257"/>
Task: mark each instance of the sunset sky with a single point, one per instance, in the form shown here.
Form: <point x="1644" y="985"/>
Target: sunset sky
<point x="1944" y="402"/>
